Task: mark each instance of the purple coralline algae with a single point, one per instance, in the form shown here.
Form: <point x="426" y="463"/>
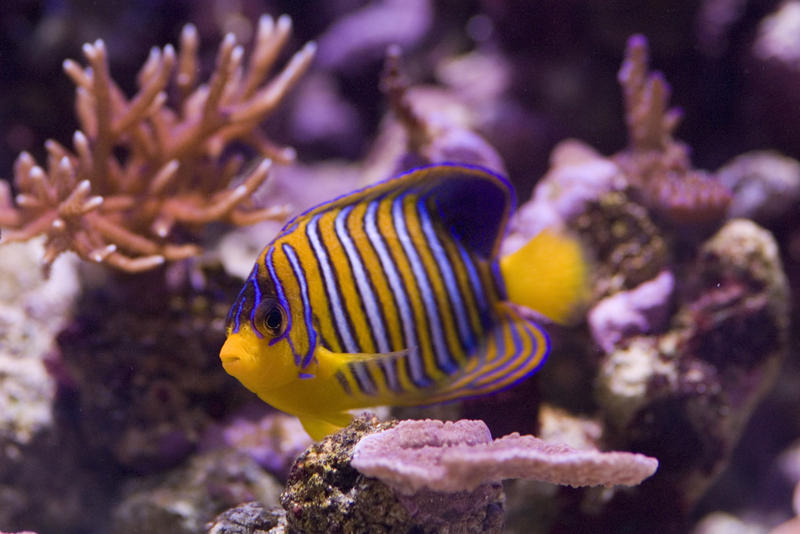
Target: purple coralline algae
<point x="461" y="455"/>
<point x="641" y="310"/>
<point x="363" y="35"/>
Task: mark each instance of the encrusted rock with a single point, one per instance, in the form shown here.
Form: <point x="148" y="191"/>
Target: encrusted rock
<point x="191" y="496"/>
<point x="250" y="518"/>
<point x="765" y="183"/>
<point x="628" y="246"/>
<point x="685" y="395"/>
<point x="326" y="494"/>
<point x="146" y="373"/>
<point x="32" y="311"/>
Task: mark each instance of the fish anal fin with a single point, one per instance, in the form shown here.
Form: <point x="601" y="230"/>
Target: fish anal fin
<point x="513" y="351"/>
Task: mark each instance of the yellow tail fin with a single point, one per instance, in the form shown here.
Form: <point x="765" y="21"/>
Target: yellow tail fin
<point x="549" y="274"/>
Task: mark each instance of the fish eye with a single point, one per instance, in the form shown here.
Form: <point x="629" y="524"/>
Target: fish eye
<point x="271" y="317"/>
<point x="273" y="320"/>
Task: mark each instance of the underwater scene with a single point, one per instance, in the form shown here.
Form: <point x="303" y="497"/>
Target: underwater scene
<point x="413" y="266"/>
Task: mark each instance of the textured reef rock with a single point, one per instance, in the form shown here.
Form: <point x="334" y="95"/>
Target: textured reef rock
<point x="685" y="395"/>
<point x="765" y="184"/>
<point x="325" y="493"/>
<point x="250" y="518"/>
<point x="685" y="336"/>
<point x="32" y="311"/>
<point x="145" y="372"/>
<point x="192" y="495"/>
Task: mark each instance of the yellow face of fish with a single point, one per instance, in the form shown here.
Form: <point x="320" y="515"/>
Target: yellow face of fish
<point x="259" y="350"/>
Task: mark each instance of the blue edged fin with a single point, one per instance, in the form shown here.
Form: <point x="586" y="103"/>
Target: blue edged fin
<point x="473" y="202"/>
<point x="513" y="351"/>
<point x="475" y="207"/>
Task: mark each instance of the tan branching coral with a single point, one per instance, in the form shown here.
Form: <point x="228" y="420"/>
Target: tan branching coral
<point x="461" y="455"/>
<point x="656" y="163"/>
<point x="142" y="165"/>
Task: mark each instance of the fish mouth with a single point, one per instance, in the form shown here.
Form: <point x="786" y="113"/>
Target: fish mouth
<point x="232" y="353"/>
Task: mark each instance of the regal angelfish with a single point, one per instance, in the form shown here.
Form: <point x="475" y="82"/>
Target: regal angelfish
<point x="394" y="295"/>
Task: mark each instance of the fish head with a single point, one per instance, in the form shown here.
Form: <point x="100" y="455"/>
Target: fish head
<point x="258" y="350"/>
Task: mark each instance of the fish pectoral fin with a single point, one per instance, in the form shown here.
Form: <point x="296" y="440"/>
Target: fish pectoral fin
<point x="338" y="358"/>
<point x="320" y="426"/>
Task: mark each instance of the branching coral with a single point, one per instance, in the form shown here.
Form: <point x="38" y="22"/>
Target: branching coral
<point x="658" y="165"/>
<point x="457" y="456"/>
<point x="141" y="166"/>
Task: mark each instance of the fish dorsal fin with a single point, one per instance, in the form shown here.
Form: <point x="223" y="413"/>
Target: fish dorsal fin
<point x="473" y="202"/>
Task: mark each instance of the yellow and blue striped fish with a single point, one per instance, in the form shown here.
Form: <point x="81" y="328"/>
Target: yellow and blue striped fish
<point x="394" y="295"/>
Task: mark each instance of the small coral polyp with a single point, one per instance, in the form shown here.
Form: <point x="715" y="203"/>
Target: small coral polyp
<point x="121" y="210"/>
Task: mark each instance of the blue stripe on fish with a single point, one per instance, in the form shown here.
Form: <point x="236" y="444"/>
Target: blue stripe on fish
<point x="445" y="269"/>
<point x="414" y="361"/>
<point x="338" y="311"/>
<point x="443" y="360"/>
<point x="301" y="280"/>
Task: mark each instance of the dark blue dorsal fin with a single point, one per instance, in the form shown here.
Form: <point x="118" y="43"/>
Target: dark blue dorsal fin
<point x="473" y="202"/>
